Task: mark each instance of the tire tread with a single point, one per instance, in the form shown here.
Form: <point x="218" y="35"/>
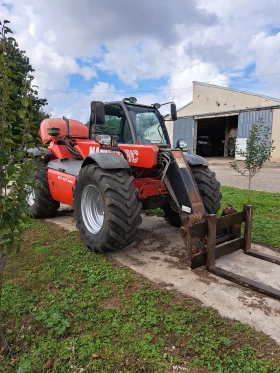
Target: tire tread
<point x="44" y="205"/>
<point x="122" y="208"/>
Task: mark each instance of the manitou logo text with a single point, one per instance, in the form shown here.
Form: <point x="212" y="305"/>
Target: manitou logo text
<point x="63" y="178"/>
<point x="132" y="155"/>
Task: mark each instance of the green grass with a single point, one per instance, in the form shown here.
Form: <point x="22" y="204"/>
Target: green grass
<point x="74" y="310"/>
<point x="266" y="216"/>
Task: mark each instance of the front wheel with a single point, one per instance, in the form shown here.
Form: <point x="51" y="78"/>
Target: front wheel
<point x="106" y="209"/>
<point x="209" y="189"/>
<point x="171" y="215"/>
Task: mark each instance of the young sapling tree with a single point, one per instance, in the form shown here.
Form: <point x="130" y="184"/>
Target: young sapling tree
<point x="258" y="150"/>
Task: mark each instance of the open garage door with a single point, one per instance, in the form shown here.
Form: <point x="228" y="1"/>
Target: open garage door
<point x="184" y="129"/>
<point x="213" y="135"/>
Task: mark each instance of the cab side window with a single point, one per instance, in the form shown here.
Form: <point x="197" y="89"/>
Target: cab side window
<point x="117" y="124"/>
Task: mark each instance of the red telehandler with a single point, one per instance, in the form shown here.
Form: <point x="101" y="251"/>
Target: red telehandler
<point x="123" y="163"/>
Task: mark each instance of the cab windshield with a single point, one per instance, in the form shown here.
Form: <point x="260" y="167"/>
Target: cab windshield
<point x="147" y="125"/>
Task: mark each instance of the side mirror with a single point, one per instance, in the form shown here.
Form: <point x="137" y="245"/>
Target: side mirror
<point x="173" y="111"/>
<point x="97" y="115"/>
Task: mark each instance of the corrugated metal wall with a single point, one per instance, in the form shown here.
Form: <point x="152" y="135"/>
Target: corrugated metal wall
<point x="248" y="118"/>
<point x="184" y="129"/>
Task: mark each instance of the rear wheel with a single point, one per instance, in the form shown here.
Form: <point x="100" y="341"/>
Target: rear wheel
<point x="106" y="209"/>
<point x="39" y="199"/>
<point x="209" y="189"/>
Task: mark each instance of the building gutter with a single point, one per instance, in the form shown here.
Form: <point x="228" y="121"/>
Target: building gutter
<point x="227" y="113"/>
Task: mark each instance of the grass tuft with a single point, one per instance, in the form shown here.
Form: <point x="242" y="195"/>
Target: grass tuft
<point x="266" y="215"/>
<point x="66" y="309"/>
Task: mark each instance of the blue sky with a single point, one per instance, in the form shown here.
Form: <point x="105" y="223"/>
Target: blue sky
<point x="77" y="82"/>
<point x="106" y="50"/>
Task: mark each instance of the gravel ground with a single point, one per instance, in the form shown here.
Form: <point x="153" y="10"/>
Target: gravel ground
<point x="268" y="179"/>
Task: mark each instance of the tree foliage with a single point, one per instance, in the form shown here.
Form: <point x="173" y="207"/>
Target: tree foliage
<point x="18" y="98"/>
<point x="19" y="69"/>
<point x="258" y="151"/>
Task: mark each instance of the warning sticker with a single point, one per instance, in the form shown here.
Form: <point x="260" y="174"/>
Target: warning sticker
<point x="181" y="162"/>
<point x="186" y="209"/>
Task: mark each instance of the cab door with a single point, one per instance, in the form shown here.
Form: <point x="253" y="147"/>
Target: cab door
<point x="117" y="123"/>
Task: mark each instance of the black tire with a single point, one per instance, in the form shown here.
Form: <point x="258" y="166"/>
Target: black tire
<point x="209" y="189"/>
<point x="106" y="208"/>
<point x="41" y="204"/>
<point x="171" y="216"/>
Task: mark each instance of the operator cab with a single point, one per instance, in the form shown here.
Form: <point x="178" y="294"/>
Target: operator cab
<point x="126" y="122"/>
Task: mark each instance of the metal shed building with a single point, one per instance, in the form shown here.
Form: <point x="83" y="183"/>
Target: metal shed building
<point x="215" y="112"/>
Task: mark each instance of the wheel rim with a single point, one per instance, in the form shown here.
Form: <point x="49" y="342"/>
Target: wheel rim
<point x="92" y="208"/>
<point x="30" y="199"/>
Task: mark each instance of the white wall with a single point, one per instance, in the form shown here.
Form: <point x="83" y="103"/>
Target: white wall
<point x="207" y="99"/>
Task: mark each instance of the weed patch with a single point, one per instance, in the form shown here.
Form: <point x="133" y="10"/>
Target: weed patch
<point x="69" y="310"/>
<point x="266" y="215"/>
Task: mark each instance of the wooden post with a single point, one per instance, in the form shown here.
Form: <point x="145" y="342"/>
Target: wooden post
<point x="211" y="240"/>
<point x="195" y="136"/>
<point x="237" y="230"/>
<point x="248" y="227"/>
<point x="185" y="234"/>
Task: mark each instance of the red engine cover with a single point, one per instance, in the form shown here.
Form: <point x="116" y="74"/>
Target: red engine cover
<point x="77" y="129"/>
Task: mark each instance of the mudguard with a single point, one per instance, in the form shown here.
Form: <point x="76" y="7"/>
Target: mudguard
<point x="106" y="161"/>
<point x="37" y="152"/>
<point x="67" y="166"/>
<point x="195" y="160"/>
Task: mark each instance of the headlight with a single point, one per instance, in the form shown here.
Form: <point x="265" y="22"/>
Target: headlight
<point x="103" y="139"/>
<point x="132" y="100"/>
<point x="182" y="144"/>
<point x="157" y="105"/>
<point x="53" y="131"/>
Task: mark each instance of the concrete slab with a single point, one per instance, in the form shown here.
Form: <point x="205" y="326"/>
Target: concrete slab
<point x="159" y="254"/>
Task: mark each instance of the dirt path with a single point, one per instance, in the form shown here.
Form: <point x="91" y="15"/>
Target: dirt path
<point x="267" y="180"/>
<point x="159" y="255"/>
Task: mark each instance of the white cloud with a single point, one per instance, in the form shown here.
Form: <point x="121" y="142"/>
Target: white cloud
<point x="196" y="70"/>
<point x="179" y="41"/>
<point x="137" y="35"/>
<point x="145" y="60"/>
<point x="77" y="106"/>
